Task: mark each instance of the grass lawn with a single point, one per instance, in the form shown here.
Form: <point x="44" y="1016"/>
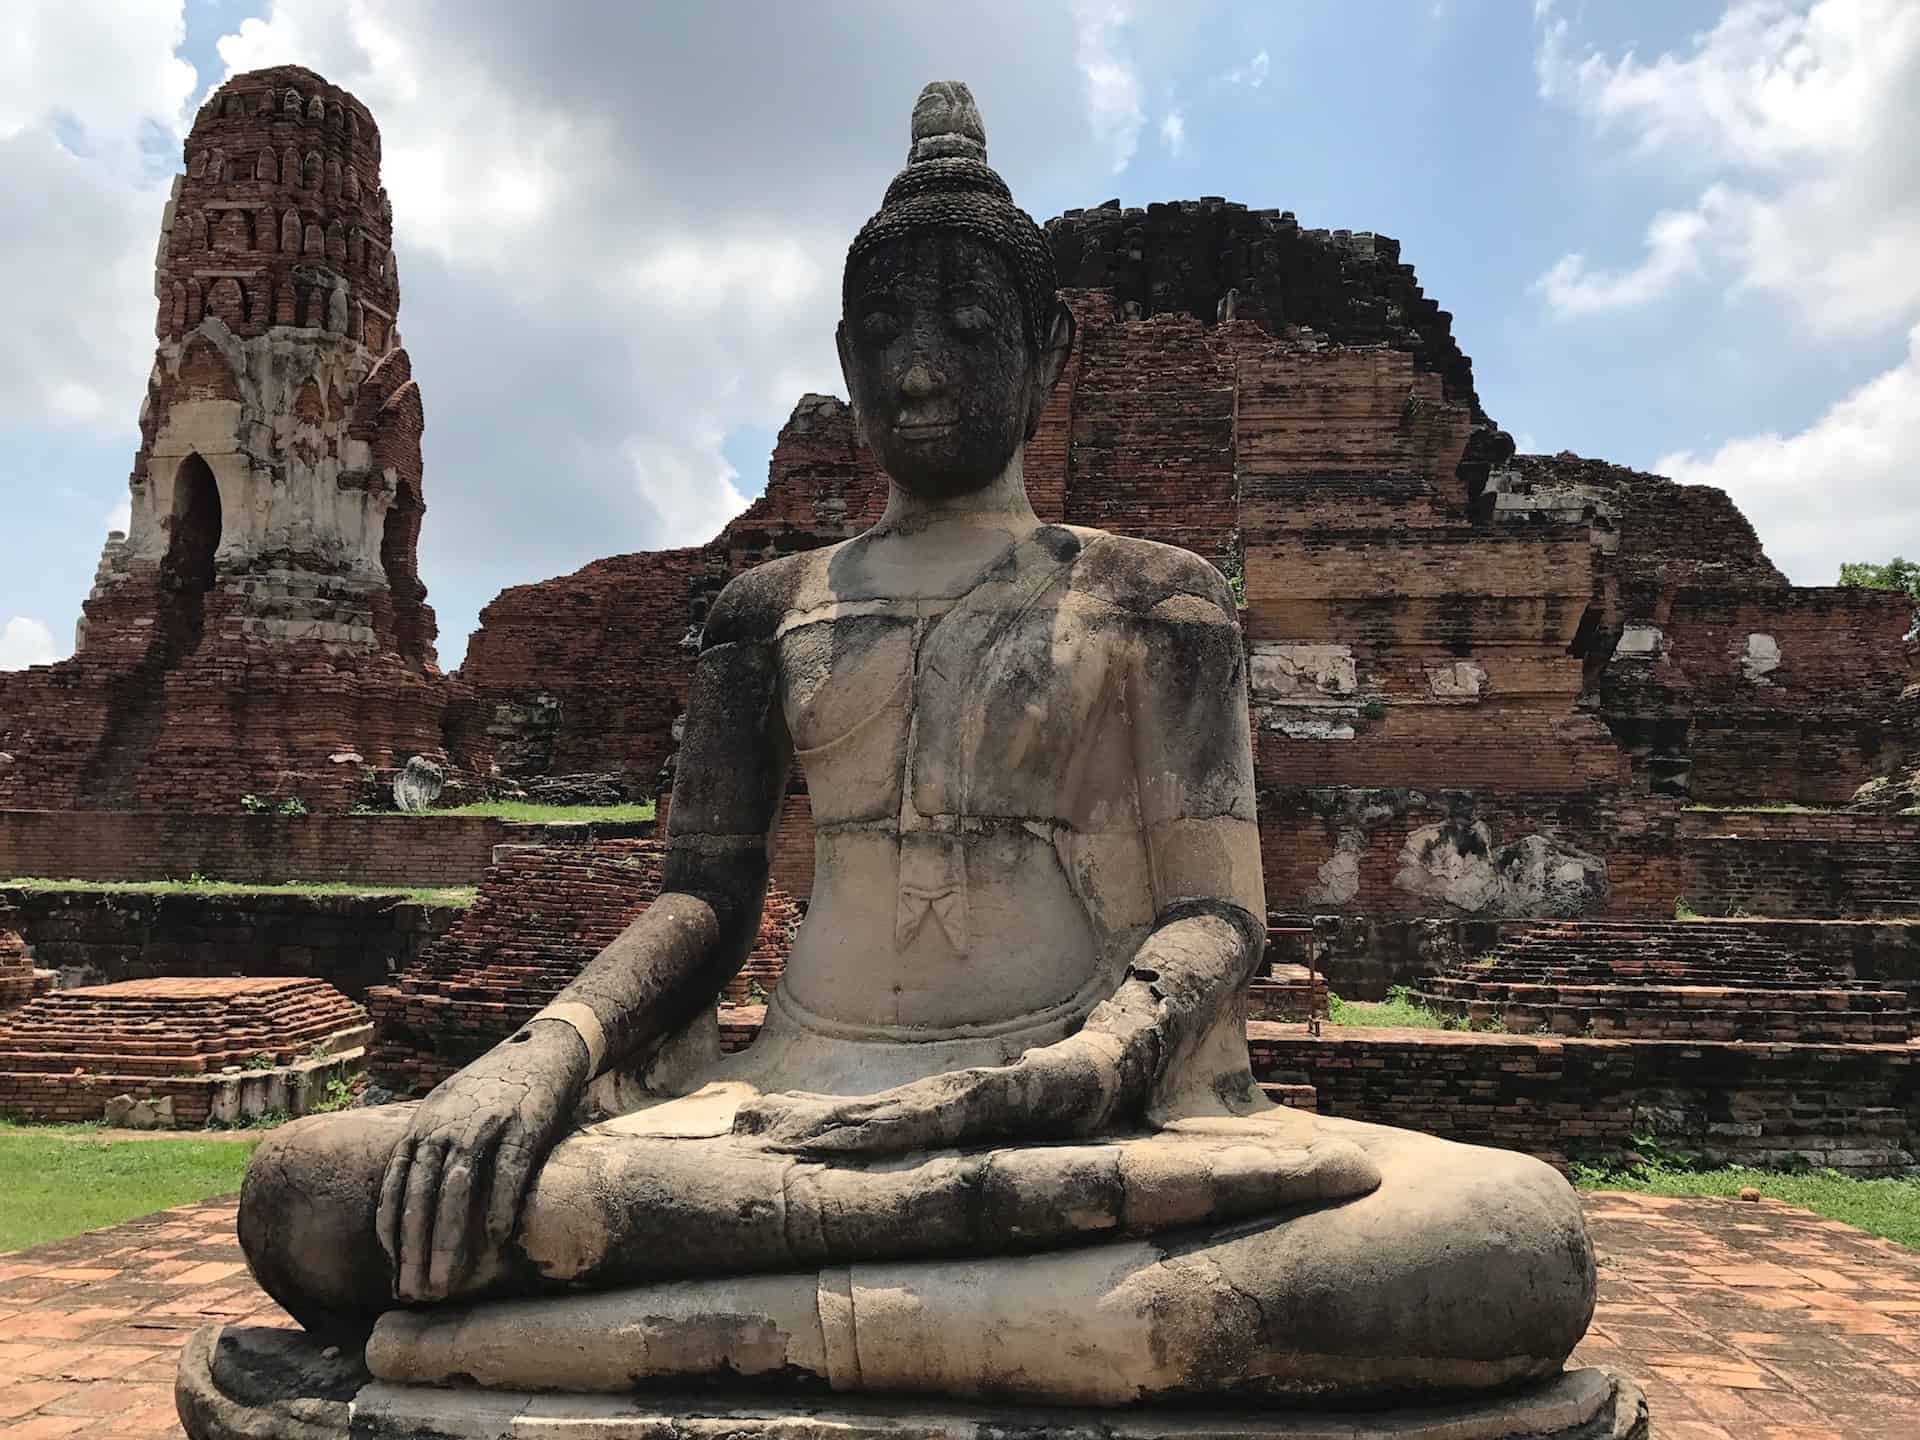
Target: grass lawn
<point x="1399" y="1011"/>
<point x="421" y="895"/>
<point x="57" y="1180"/>
<point x="547" y="814"/>
<point x="1889" y="1207"/>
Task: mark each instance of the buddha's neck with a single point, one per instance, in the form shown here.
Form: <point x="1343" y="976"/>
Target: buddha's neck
<point x="1000" y="504"/>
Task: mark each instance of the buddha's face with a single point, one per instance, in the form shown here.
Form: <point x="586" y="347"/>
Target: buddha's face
<point x="934" y="348"/>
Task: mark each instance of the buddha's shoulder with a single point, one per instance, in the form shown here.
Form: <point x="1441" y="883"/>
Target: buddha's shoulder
<point x="754" y="602"/>
<point x="1147" y="578"/>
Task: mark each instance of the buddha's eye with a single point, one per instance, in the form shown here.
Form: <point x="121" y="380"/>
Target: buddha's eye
<point x="880" y="325"/>
<point x="972" y="319"/>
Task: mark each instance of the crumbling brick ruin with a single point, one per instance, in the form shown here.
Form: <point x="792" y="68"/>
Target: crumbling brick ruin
<point x="261" y="626"/>
<point x="1487" y="689"/>
<point x="542" y="913"/>
<point x="1484" y="684"/>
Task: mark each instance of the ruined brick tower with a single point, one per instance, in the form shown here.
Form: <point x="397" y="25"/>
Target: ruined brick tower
<point x="261" y="627"/>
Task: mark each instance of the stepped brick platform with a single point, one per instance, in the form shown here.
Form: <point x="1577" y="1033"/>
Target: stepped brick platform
<point x="19" y="980"/>
<point x="1738" y="1320"/>
<point x="1684" y="980"/>
<point x="541" y="914"/>
<point x="171" y="1027"/>
<point x="197" y="1050"/>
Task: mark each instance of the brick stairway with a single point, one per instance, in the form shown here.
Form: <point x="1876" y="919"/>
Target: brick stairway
<point x="177" y="1026"/>
<point x="1679" y="980"/>
<point x="1287" y="990"/>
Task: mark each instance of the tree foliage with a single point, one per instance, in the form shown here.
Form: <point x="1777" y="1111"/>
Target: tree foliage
<point x="1896" y="574"/>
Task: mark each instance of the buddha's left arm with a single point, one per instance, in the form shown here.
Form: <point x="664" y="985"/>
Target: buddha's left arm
<point x="1169" y="1038"/>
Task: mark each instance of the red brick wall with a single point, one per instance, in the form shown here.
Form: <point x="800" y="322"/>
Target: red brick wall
<point x="604" y="646"/>
<point x="1152" y="438"/>
<point x="1809" y="731"/>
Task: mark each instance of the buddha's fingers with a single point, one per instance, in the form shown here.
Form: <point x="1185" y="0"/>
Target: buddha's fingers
<point x="469" y="1161"/>
<point x="393" y="1195"/>
<point x="417" y="1217"/>
<point x="512" y="1174"/>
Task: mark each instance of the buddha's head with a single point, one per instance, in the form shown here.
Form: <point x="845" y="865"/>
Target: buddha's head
<point x="951" y="332"/>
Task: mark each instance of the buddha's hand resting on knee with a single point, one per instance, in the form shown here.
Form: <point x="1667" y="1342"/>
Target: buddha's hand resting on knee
<point x="1092" y="1083"/>
<point x="453" y="1186"/>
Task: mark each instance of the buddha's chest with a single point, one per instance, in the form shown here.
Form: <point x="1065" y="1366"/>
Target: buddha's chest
<point x="971" y="710"/>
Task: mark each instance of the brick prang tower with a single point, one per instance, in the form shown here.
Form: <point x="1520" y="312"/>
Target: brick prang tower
<point x="261" y="626"/>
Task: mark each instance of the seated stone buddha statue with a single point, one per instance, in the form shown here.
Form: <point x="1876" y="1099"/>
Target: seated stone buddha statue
<point x="998" y="1138"/>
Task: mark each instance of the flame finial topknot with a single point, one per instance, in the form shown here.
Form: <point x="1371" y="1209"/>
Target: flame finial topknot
<point x="946" y="123"/>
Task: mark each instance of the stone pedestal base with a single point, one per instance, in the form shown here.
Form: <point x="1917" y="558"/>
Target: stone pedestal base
<point x="260" y="1384"/>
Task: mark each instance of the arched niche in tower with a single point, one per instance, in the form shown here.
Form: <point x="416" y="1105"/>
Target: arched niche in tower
<point x="187" y="570"/>
<point x="234" y="235"/>
<point x="399" y="542"/>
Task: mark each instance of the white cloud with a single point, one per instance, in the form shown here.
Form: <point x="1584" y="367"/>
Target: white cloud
<point x="1173" y="131"/>
<point x="1573" y="287"/>
<point x="1252" y="74"/>
<point x="24" y="642"/>
<point x="104" y="65"/>
<point x="694" y="494"/>
<point x="610" y="262"/>
<point x="92" y="102"/>
<point x="1801" y="122"/>
<point x="1115" y="113"/>
<point x="1842" y="489"/>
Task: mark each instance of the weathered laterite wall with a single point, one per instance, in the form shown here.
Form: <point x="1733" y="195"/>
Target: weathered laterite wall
<point x="374" y="850"/>
<point x="93" y="937"/>
<point x="1854" y="1108"/>
<point x="1364" y="956"/>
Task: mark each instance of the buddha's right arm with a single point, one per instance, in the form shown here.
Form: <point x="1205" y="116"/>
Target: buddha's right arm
<point x="453" y="1186"/>
<point x="675" y="959"/>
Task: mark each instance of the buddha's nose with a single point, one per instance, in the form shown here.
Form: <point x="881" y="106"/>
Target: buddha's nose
<point x="920" y="381"/>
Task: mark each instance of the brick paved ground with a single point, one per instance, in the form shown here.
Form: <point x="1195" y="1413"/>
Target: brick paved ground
<point x="1743" y="1321"/>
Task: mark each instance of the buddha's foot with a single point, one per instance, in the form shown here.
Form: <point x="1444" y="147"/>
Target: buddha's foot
<point x="258" y="1384"/>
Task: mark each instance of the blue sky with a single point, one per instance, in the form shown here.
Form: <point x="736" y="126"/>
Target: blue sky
<point x="1673" y="235"/>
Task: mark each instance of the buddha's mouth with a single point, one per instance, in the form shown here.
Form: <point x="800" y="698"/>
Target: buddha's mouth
<point x="923" y="429"/>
